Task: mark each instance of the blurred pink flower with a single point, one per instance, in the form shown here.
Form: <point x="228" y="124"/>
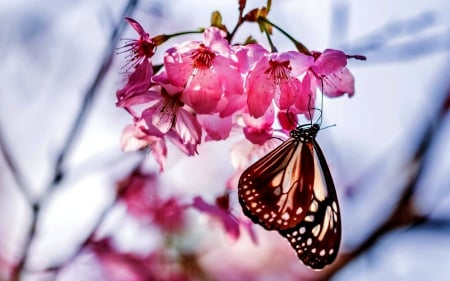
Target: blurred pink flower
<point x="135" y="137"/>
<point x="157" y="265"/>
<point x="274" y="76"/>
<point x="208" y="71"/>
<point x="122" y="266"/>
<point x="140" y="193"/>
<point x="221" y="211"/>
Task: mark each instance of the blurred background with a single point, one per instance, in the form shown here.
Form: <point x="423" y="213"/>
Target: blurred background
<point x="63" y="215"/>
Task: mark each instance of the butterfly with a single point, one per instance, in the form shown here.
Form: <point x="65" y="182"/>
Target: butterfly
<point x="291" y="190"/>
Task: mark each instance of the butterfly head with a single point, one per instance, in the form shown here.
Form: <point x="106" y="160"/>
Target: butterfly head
<point x="305" y="133"/>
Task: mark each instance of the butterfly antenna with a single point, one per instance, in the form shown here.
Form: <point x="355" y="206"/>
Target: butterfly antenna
<point x="310" y="109"/>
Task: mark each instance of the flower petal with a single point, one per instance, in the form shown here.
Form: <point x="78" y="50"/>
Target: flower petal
<point x="178" y="63"/>
<point x="260" y="89"/>
<point x="214" y="38"/>
<point x="306" y="98"/>
<point x="138" y="82"/>
<point x="188" y="127"/>
<point x="299" y="62"/>
<point x="216" y="128"/>
<point x="288" y="120"/>
<point x="329" y="62"/>
<point x="159" y="152"/>
<point x="157" y="116"/>
<point x="289" y="89"/>
<point x="339" y="83"/>
<point x="137" y="26"/>
<point x="129" y="140"/>
<point x="230" y="78"/>
<point x="203" y="91"/>
<point x="231" y="104"/>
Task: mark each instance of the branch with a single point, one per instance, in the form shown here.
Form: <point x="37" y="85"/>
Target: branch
<point x="72" y="135"/>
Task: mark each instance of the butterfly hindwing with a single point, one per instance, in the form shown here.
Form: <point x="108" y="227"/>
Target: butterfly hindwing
<point x="317" y="238"/>
<point x="272" y="192"/>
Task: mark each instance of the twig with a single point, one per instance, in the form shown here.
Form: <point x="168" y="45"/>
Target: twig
<point x="17" y="175"/>
<point x="73" y="133"/>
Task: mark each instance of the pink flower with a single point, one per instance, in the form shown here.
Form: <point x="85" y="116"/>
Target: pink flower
<point x="141" y="49"/>
<point x="163" y="115"/>
<point x="274" y="76"/>
<point x="328" y="73"/>
<point x="221" y="212"/>
<point x="208" y="71"/>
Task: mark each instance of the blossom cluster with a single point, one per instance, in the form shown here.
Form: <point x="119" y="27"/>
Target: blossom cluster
<point x="206" y="88"/>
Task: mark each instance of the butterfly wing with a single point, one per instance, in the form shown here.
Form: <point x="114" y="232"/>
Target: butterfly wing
<point x="316" y="238"/>
<point x="275" y="192"/>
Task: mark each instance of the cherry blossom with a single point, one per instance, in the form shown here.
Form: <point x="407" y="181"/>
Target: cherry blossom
<point x="275" y="77"/>
<point x="141" y="49"/>
<point x="135" y="137"/>
<point x="119" y="266"/>
<point x="329" y="73"/>
<point x="140" y="193"/>
<point x="207" y="70"/>
<point x="122" y="266"/>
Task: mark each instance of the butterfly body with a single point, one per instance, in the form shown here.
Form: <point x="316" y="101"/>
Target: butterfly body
<point x="291" y="190"/>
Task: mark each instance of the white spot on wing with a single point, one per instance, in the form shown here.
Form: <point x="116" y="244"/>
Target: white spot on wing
<point x="320" y="190"/>
<point x="315" y="230"/>
<point x="314" y="206"/>
<point x="326" y="223"/>
<point x="309" y="218"/>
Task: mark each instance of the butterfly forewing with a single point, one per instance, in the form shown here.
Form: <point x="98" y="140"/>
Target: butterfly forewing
<point x="317" y="238"/>
<point x="272" y="192"/>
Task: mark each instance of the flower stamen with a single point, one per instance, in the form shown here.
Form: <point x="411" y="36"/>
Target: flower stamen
<point x="202" y="57"/>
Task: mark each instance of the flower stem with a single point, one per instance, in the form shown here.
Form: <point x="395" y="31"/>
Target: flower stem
<point x="300" y="47"/>
<point x="238" y="24"/>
